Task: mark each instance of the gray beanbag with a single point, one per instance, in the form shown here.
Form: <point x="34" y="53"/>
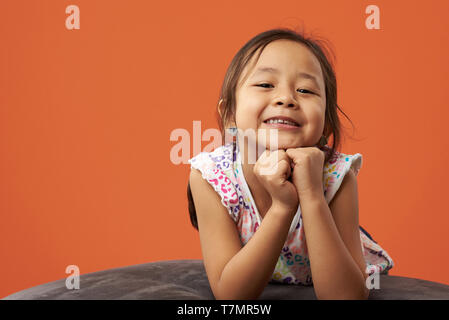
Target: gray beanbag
<point x="187" y="279"/>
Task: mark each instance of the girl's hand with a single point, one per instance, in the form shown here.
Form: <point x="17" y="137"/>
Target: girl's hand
<point x="307" y="176"/>
<point x="273" y="169"/>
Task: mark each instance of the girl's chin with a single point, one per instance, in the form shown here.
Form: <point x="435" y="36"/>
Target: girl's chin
<point x="283" y="146"/>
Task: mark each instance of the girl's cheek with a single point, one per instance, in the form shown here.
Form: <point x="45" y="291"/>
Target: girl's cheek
<point x="317" y="117"/>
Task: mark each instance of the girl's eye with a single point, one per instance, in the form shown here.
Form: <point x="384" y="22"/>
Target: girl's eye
<point x="263" y="85"/>
<point x="306" y="90"/>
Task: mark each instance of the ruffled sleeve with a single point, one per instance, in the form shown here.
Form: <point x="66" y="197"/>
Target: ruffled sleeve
<point x="216" y="169"/>
<point x="376" y="258"/>
<point x="336" y="169"/>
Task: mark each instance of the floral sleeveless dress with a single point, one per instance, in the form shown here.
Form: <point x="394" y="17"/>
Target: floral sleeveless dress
<point x="222" y="168"/>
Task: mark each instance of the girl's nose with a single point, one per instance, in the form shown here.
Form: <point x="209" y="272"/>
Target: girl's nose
<point x="286" y="100"/>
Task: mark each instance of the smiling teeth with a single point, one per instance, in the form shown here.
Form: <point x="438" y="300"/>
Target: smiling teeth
<point x="282" y="121"/>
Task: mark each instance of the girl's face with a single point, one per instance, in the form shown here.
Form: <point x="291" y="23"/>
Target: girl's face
<point x="286" y="81"/>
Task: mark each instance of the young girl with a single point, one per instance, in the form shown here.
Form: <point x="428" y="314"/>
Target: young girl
<point x="301" y="219"/>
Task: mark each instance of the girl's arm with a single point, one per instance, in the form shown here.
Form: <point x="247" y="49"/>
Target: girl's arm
<point x="247" y="274"/>
<point x="333" y="242"/>
<point x="236" y="272"/>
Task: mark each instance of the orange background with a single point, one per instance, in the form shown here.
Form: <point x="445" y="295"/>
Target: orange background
<point x="86" y="116"/>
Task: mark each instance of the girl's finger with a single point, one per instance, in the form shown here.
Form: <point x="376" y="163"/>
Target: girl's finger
<point x="264" y="157"/>
<point x="265" y="154"/>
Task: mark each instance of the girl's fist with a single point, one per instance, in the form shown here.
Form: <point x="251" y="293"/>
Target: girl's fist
<point x="273" y="169"/>
<point x="307" y="176"/>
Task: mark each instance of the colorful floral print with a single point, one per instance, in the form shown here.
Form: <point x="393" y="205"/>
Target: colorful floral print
<point x="222" y="168"/>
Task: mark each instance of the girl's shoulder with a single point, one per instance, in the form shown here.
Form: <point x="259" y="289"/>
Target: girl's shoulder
<point x="336" y="168"/>
<point x="222" y="159"/>
<point x="217" y="168"/>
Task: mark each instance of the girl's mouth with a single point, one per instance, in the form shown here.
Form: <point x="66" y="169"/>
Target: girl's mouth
<point x="281" y="124"/>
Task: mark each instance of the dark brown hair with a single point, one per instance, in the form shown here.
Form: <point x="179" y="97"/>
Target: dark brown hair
<point x="227" y="101"/>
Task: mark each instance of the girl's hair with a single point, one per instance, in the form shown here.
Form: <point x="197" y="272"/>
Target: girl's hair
<point x="227" y="102"/>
